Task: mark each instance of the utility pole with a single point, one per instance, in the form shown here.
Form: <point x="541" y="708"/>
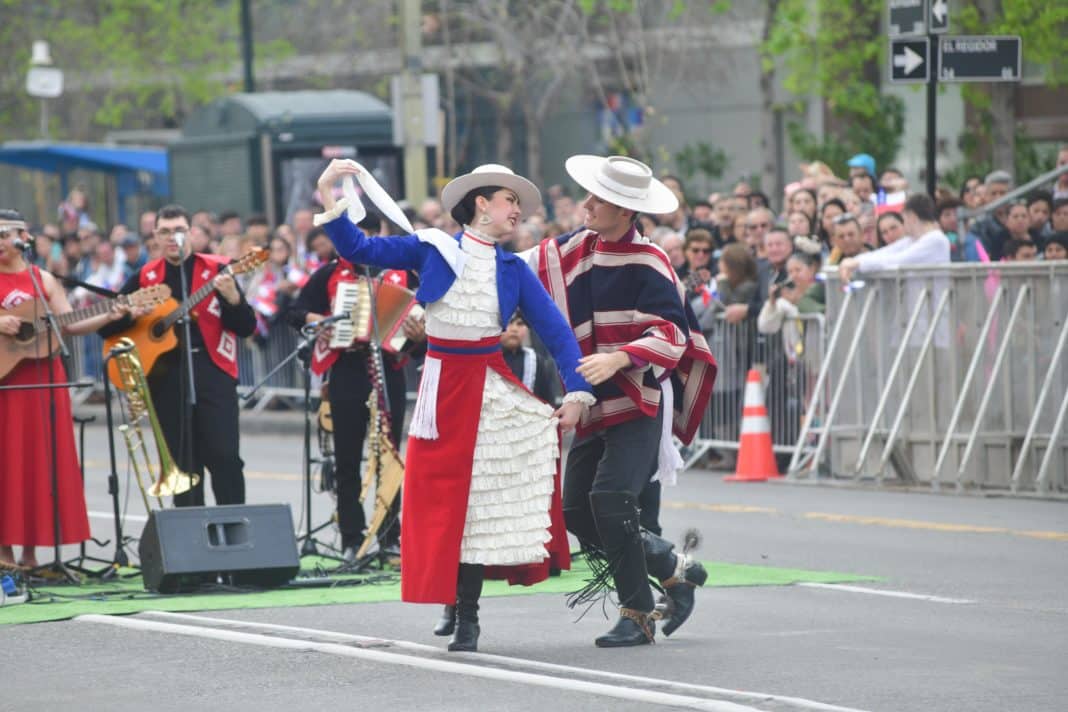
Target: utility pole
<point x="415" y="168"/>
<point x="246" y="44"/>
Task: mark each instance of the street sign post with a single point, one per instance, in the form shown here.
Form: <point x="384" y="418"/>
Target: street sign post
<point x="910" y="60"/>
<point x="938" y="17"/>
<point x="979" y="58"/>
<point x="907" y="17"/>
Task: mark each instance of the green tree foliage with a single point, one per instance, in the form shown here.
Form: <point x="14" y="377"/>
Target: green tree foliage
<point x="833" y="49"/>
<point x="1043" y="29"/>
<point x="128" y="59"/>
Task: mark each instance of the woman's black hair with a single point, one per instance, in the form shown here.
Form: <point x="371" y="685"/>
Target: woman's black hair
<point x="809" y="259"/>
<point x="464" y="211"/>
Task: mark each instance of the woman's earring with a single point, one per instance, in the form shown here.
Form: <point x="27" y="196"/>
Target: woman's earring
<point x="485" y="219"/>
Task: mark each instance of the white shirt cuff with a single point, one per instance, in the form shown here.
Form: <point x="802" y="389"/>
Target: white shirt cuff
<point x="584" y="397"/>
<point x="333" y="214"/>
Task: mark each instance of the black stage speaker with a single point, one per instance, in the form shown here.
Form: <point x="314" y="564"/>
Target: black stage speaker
<point x="249" y="545"/>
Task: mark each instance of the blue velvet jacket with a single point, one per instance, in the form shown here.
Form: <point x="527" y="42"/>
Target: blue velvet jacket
<point x="438" y="259"/>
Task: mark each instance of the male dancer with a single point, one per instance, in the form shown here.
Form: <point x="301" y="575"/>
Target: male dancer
<point x="623" y="301"/>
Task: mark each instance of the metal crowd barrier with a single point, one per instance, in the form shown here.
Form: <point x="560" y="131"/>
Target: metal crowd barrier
<point x="788" y="377"/>
<point x="944" y="376"/>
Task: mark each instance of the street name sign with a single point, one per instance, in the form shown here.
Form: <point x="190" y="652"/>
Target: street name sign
<point x="938" y="18"/>
<point x="979" y="58"/>
<point x="909" y="60"/>
<point x="907" y="17"/>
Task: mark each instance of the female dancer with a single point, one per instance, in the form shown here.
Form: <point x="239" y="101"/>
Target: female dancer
<point x="481" y="476"/>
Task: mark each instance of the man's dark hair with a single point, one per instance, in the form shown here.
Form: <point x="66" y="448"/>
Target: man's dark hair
<point x="969" y="179"/>
<point x="1039" y="196"/>
<point x="1013" y="246"/>
<point x="256" y="219"/>
<point x="921" y="205"/>
<point x="464" y="211"/>
<point x="948" y="204"/>
<point x="1058" y="204"/>
<point x="228" y="215"/>
<point x="702" y="204"/>
<point x="168" y="212"/>
<point x="757" y="196"/>
<point x="864" y="177"/>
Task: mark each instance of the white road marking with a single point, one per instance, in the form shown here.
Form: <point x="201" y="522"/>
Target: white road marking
<point x="891" y="594"/>
<point x="738" y="696"/>
<point x="125" y="517"/>
<point x="441" y="666"/>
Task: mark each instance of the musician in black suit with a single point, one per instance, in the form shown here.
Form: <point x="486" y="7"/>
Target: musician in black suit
<point x="207" y="434"/>
<point x="349" y="386"/>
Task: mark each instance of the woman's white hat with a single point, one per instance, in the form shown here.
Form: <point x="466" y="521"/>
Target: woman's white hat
<point x="492" y="174"/>
<point x="623" y="181"/>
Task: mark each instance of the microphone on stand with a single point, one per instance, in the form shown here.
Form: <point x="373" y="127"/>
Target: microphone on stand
<point x="179" y="239"/>
<point x="315" y="325"/>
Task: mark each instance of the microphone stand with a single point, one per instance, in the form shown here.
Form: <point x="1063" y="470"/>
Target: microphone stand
<point x="121" y="559"/>
<point x="309" y="544"/>
<point x="185" y="439"/>
<point x="57" y="566"/>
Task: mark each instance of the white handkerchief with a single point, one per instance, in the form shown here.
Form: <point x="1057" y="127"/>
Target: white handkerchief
<point x="383" y="202"/>
<point x="356" y="211"/>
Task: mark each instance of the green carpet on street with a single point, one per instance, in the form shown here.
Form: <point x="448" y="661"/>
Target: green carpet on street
<point x="127" y="595"/>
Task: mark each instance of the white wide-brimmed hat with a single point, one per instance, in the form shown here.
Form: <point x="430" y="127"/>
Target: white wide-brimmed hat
<point x="492" y="174"/>
<point x="622" y="181"/>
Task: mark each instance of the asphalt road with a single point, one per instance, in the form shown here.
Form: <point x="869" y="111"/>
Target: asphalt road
<point x="977" y="620"/>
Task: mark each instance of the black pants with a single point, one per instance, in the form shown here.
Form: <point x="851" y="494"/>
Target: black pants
<point x="606" y="474"/>
<point x="214" y="442"/>
<point x="622" y="458"/>
<point x="350" y="386"/>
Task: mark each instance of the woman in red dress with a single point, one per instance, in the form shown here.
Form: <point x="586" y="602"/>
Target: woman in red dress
<point x="25" y="453"/>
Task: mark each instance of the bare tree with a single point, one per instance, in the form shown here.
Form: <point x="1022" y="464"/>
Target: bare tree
<point x="537" y="49"/>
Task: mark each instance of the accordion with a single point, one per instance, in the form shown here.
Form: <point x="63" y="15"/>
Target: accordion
<point x="393" y="305"/>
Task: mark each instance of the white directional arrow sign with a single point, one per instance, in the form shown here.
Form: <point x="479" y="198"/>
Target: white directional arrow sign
<point x="939" y="20"/>
<point x="909" y="60"/>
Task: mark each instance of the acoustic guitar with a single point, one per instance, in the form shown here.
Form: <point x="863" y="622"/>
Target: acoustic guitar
<point x="32" y="339"/>
<point x="154" y="333"/>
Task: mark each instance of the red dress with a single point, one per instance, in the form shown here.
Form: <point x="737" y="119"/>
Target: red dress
<point x="26" y="444"/>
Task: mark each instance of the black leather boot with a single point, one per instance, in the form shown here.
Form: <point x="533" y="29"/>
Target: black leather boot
<point x="469" y="590"/>
<point x="678" y="574"/>
<point x="616" y="515"/>
<point x="447" y="623"/>
<point x="632" y="628"/>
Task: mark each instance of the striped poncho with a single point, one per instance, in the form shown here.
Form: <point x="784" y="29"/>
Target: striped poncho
<point x="625" y="296"/>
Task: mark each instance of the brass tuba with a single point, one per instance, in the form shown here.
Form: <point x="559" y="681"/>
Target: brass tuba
<point x="171" y="480"/>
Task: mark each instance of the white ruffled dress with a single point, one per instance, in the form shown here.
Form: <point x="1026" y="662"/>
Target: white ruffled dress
<point x="516" y="447"/>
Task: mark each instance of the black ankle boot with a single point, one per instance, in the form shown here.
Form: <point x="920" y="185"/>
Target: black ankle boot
<point x="447" y="623"/>
<point x="632" y="628"/>
<point x="679" y="592"/>
<point x="678" y="574"/>
<point x="469" y="590"/>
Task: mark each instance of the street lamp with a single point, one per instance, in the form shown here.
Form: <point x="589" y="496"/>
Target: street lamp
<point x="43" y="80"/>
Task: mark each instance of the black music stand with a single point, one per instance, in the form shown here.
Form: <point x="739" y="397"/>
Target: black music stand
<point x="309" y="544"/>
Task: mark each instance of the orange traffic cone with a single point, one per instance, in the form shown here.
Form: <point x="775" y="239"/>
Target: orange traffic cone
<point x="756" y="459"/>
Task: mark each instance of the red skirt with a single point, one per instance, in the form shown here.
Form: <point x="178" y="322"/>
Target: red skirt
<point x="25" y="462"/>
<point x="437" y="482"/>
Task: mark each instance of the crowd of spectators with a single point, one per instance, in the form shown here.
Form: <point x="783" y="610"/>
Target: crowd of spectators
<point x="743" y="258"/>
